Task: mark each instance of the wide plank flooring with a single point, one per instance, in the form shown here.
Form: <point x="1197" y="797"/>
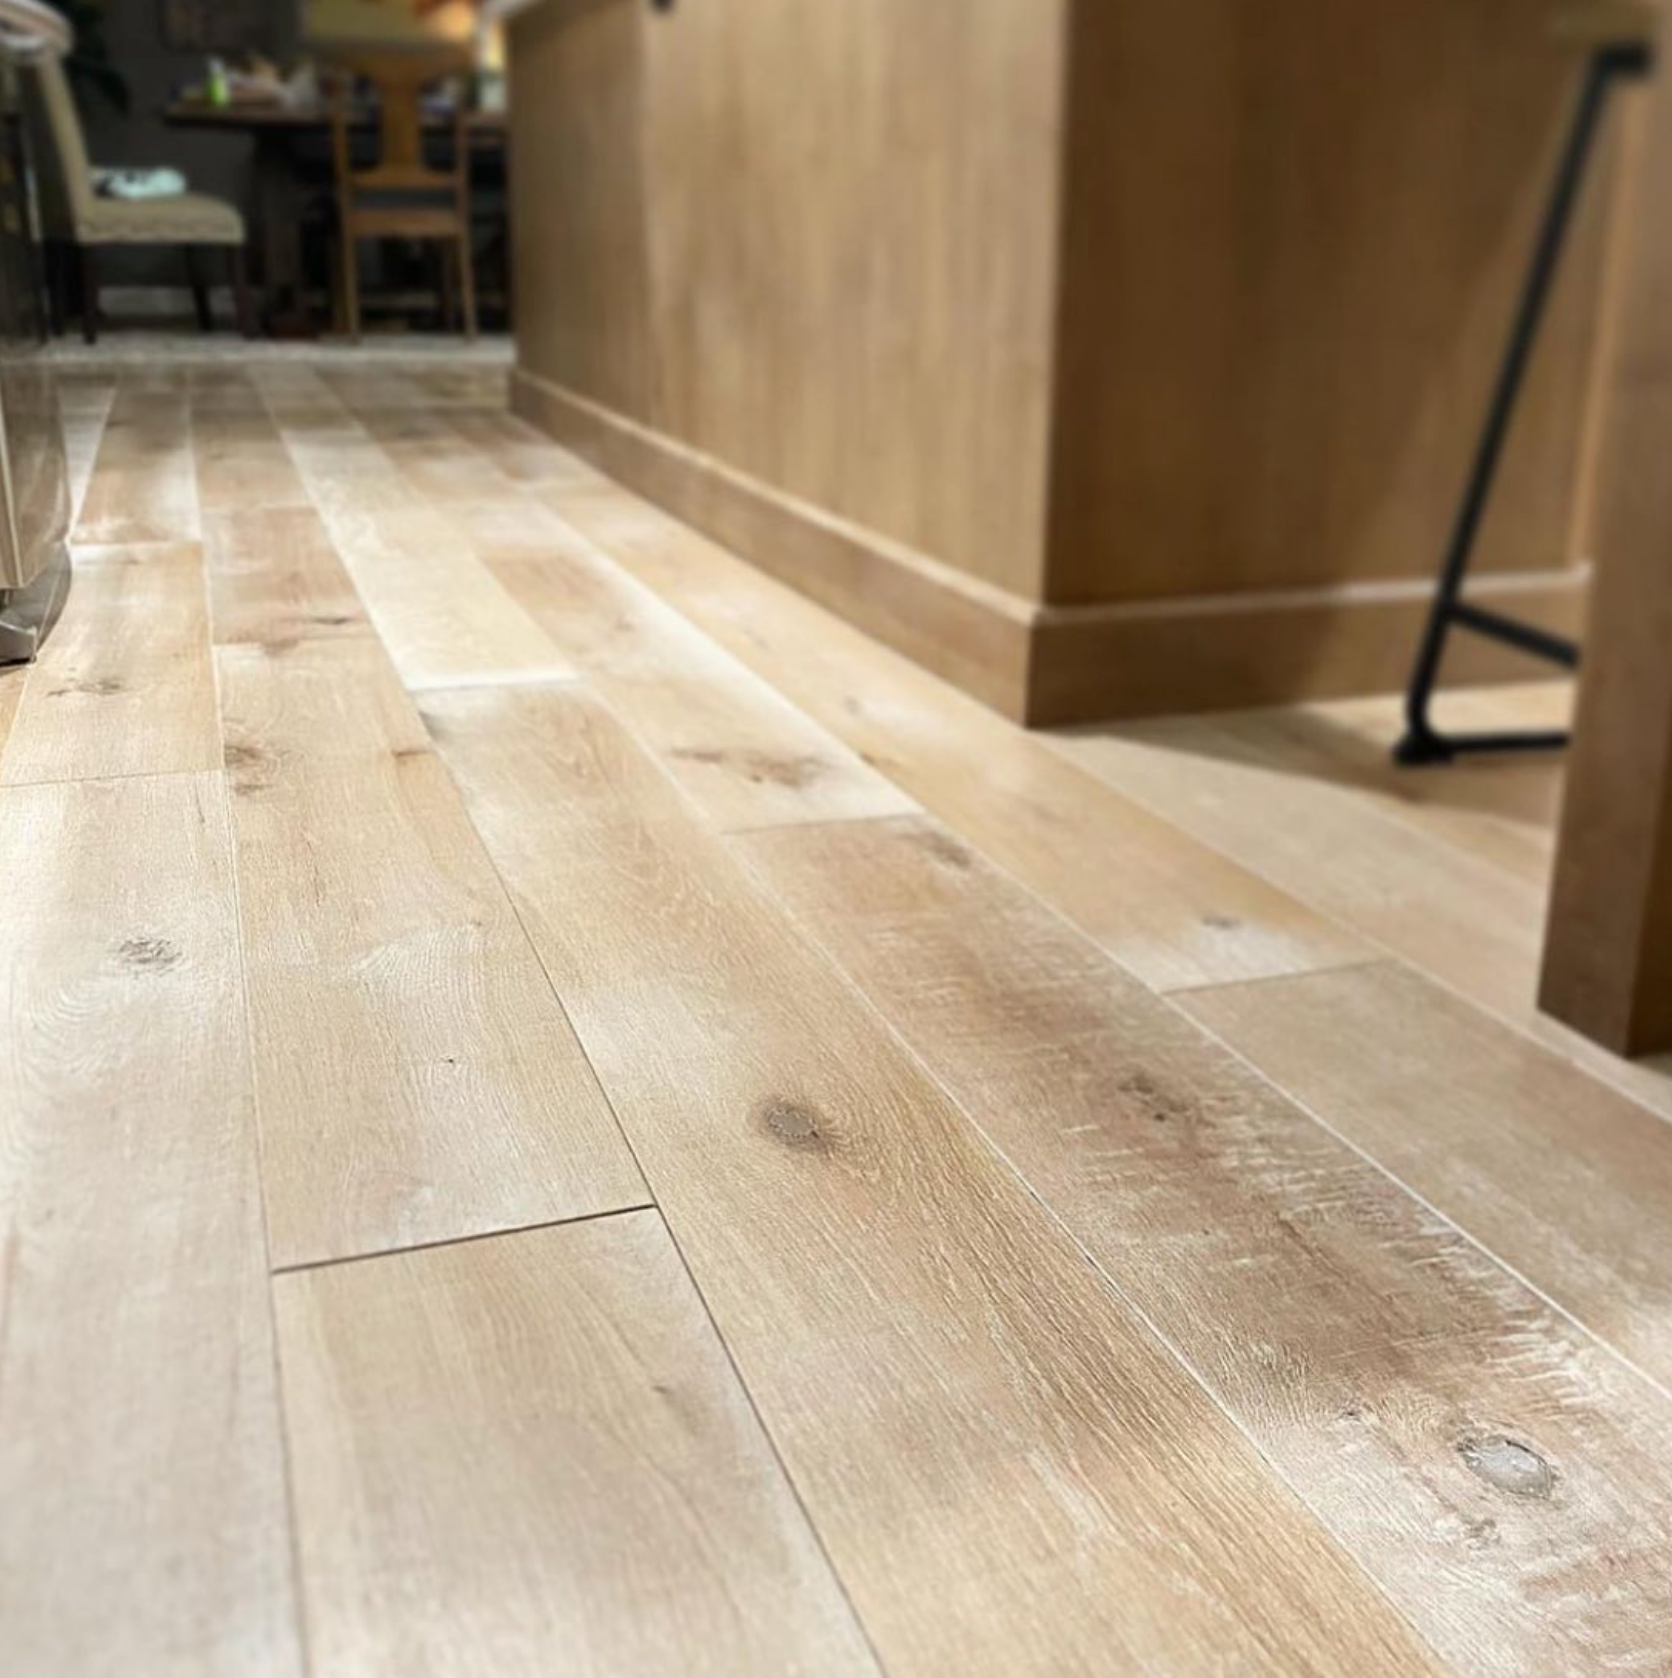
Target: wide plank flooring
<point x="563" y="1111"/>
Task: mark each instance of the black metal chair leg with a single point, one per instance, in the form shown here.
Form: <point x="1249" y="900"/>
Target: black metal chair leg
<point x="1422" y="742"/>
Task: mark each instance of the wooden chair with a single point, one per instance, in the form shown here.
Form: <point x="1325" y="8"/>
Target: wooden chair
<point x="76" y="222"/>
<point x="402" y="196"/>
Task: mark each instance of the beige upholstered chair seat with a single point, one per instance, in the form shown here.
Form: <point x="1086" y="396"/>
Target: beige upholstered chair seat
<point x="76" y="222"/>
<point x="189" y="218"/>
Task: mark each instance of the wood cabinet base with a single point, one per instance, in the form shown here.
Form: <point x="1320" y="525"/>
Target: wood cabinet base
<point x="1049" y="665"/>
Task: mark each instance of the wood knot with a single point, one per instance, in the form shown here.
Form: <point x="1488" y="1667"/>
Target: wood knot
<point x="1158" y="1102"/>
<point x="756" y="767"/>
<point x="148" y="955"/>
<point x="247" y="766"/>
<point x="102" y="687"/>
<point x="943" y="848"/>
<point x="1507" y="1465"/>
<point x="795" y="1124"/>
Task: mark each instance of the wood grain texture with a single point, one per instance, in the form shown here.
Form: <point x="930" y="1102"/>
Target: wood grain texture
<point x="13" y="678"/>
<point x="641" y="292"/>
<point x="969" y="631"/>
<point x="1501" y="810"/>
<point x="1172" y="910"/>
<point x="531" y="1455"/>
<point x="1608" y="960"/>
<point x="83" y="431"/>
<point x="140" y="1471"/>
<point x="520" y="450"/>
<point x="242" y="463"/>
<point x="746" y="757"/>
<point x="1060" y="663"/>
<point x="1363" y="1344"/>
<point x="852" y="1235"/>
<point x="1452" y="914"/>
<point x="124" y="684"/>
<point x="274" y="575"/>
<point x="1462" y="920"/>
<point x="143" y="486"/>
<point x="1225" y="347"/>
<point x="418" y="1081"/>
<point x="441" y="613"/>
<point x="1315" y="276"/>
<point x="1565" y="1180"/>
<point x="1217" y="651"/>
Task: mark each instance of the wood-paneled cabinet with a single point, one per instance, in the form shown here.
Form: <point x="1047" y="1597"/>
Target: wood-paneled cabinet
<point x="1107" y="355"/>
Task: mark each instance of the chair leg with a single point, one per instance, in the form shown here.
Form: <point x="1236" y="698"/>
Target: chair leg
<point x="87" y="271"/>
<point x="53" y="256"/>
<point x="239" y="268"/>
<point x="467" y="283"/>
<point x="351" y="287"/>
<point x="200" y="290"/>
<point x="449" y="289"/>
<point x="334" y="275"/>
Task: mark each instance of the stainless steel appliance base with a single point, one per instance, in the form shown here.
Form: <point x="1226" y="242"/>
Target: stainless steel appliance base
<point x="26" y="614"/>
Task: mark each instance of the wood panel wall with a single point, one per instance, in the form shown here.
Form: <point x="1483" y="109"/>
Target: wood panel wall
<point x="1105" y="355"/>
<point x="813" y="243"/>
<point x="1293" y="240"/>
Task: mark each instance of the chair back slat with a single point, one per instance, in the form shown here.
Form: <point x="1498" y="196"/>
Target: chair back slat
<point x="400" y="80"/>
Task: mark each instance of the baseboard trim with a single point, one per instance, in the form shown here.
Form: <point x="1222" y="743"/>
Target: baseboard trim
<point x="1051" y="665"/>
<point x="974" y="634"/>
<point x="1280" y="647"/>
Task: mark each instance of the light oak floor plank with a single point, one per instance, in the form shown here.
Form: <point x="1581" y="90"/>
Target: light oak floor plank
<point x="124" y="683"/>
<point x="144" y="1526"/>
<point x="1009" y="1472"/>
<point x="1475" y="927"/>
<point x="1565" y="1179"/>
<point x="522" y="453"/>
<point x="439" y="462"/>
<point x="1446" y="911"/>
<point x="1175" y="911"/>
<point x="13" y="678"/>
<point x="445" y="618"/>
<point x="143" y="486"/>
<point x="300" y="401"/>
<point x="417" y="1079"/>
<point x="746" y="757"/>
<point x="531" y="1456"/>
<point x="1375" y="1355"/>
<point x="241" y="459"/>
<point x="84" y="404"/>
<point x="274" y="575"/>
<point x="1500" y="809"/>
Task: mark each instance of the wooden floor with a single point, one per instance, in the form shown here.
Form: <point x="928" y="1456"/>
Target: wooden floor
<point x="562" y="1112"/>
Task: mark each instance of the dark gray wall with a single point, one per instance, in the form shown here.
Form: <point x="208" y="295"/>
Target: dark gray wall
<point x="213" y="163"/>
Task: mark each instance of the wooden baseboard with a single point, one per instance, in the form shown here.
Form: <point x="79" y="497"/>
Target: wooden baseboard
<point x="975" y="635"/>
<point x="1212" y="653"/>
<point x="1048" y="665"/>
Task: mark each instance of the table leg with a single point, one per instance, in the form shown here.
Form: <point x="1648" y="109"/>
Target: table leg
<point x="284" y="311"/>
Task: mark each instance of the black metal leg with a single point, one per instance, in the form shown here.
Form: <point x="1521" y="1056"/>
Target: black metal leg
<point x="1423" y="743"/>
